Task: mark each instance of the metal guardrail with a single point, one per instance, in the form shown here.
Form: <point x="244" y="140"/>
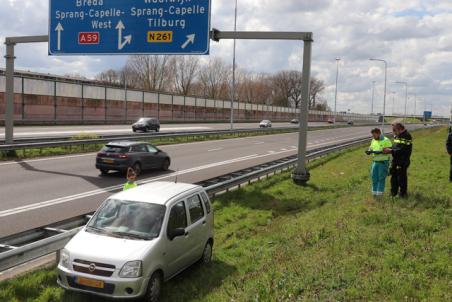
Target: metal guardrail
<point x="20" y="248"/>
<point x="136" y="137"/>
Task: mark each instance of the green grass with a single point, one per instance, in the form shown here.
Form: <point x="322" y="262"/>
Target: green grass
<point x="77" y="149"/>
<point x="328" y="241"/>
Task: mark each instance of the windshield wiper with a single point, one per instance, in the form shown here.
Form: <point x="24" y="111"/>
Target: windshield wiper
<point x="125" y="234"/>
<point x="97" y="230"/>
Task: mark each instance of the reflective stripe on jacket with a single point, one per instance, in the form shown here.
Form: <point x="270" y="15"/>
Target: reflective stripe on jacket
<point x="378" y="146"/>
<point x="128" y="186"/>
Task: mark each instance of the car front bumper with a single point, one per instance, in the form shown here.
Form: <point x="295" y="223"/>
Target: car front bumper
<point x="116" y="288"/>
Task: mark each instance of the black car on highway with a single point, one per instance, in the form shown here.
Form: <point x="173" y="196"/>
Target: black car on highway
<point x="119" y="156"/>
<point x="146" y="124"/>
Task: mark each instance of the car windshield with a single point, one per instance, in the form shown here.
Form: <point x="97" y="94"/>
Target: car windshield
<point x="143" y="120"/>
<point x="114" y="149"/>
<point x="128" y="219"/>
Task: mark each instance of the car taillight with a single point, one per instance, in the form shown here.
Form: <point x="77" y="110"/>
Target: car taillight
<point x="101" y="154"/>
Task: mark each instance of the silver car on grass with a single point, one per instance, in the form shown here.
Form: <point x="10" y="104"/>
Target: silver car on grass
<point x="137" y="239"/>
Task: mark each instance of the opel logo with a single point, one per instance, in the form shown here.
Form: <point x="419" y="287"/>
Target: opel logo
<point x="92" y="267"/>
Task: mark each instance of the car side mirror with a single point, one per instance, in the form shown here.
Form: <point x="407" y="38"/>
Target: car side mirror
<point x="176" y="233"/>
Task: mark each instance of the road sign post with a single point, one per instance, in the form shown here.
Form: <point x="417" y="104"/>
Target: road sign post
<point x="129" y="27"/>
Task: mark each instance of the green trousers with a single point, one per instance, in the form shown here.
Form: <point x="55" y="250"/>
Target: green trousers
<point x="379" y="172"/>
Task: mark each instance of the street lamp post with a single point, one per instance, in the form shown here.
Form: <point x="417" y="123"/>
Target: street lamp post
<point x="373" y="95"/>
<point x="393" y="101"/>
<point x="337" y="77"/>
<point x="406" y="95"/>
<point x="384" y="98"/>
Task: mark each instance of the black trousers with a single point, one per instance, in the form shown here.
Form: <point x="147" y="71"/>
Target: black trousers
<point x="399" y="180"/>
<point x="450" y="175"/>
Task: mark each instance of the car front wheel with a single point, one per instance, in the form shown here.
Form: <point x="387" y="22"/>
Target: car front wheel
<point x="207" y="253"/>
<point x="154" y="288"/>
<point x="166" y="164"/>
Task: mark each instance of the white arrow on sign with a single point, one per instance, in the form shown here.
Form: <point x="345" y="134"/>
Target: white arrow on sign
<point x="190" y="39"/>
<point x="127" y="39"/>
<point x="59" y="29"/>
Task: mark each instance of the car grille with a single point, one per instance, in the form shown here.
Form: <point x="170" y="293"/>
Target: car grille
<point x="93" y="268"/>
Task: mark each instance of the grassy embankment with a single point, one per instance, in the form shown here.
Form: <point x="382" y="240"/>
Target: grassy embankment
<point x="76" y="149"/>
<point x="329" y="241"/>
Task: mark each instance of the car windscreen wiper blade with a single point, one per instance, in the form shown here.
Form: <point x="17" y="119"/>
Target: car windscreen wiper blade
<point x="125" y="234"/>
<point x="96" y="229"/>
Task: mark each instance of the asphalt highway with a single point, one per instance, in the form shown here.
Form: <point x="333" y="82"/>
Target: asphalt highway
<point x="37" y="192"/>
<point x="67" y="131"/>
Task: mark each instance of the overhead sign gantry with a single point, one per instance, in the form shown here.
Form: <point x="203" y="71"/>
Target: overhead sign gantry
<point x="129" y="27"/>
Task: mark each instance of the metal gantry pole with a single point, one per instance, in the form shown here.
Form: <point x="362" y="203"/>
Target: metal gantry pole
<point x="301" y="174"/>
<point x="9" y="93"/>
<point x="384" y="96"/>
<point x="233" y="69"/>
<point x="10" y="43"/>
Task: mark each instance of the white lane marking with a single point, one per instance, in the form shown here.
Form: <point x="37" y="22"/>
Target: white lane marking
<point x="259" y="143"/>
<point x="283" y="149"/>
<point x="216" y="149"/>
<point x="116" y="187"/>
<point x="65" y="199"/>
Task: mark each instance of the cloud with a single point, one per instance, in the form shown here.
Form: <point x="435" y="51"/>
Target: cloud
<point x="413" y="36"/>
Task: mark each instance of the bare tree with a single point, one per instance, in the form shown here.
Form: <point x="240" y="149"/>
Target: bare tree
<point x="186" y="69"/>
<point x="254" y="88"/>
<point x="152" y="71"/>
<point x="214" y="79"/>
<point x="109" y="76"/>
<point x="317" y="87"/>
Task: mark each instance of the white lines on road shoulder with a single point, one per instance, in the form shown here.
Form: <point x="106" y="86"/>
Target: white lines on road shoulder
<point x="216" y="149"/>
<point x="259" y="143"/>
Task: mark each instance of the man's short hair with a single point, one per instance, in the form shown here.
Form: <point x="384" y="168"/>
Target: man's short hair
<point x="376" y="130"/>
<point x="399" y="126"/>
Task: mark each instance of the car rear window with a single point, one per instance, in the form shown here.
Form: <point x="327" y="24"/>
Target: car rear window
<point x="115" y="149"/>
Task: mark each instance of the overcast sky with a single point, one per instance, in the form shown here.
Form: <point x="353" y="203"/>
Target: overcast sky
<point x="414" y="36"/>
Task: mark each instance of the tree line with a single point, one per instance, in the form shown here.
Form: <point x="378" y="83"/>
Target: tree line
<point x="188" y="75"/>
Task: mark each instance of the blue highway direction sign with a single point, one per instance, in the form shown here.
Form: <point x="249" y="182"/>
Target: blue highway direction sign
<point x="82" y="27"/>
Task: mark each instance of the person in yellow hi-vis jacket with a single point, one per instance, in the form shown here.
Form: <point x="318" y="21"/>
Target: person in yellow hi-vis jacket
<point x="131" y="178"/>
<point x="380" y="161"/>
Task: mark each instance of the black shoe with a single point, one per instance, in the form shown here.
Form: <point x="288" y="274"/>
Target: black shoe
<point x="404" y="195"/>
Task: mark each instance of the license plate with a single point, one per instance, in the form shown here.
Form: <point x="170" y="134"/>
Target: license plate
<point x="90" y="282"/>
<point x="108" y="161"/>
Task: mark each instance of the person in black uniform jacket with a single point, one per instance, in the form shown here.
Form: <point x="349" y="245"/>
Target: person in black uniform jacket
<point x="401" y="152"/>
<point x="449" y="150"/>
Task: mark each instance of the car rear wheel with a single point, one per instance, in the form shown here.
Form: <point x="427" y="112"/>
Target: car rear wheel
<point x="157" y="129"/>
<point x="154" y="288"/>
<point x="137" y="168"/>
<point x="166" y="164"/>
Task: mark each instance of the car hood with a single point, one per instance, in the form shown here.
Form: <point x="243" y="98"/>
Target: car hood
<point x="101" y="248"/>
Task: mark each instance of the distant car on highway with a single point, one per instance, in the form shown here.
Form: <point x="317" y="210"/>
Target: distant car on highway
<point x="331" y="120"/>
<point x="119" y="156"/>
<point x="350" y="123"/>
<point x="265" y="124"/>
<point x="138" y="239"/>
<point x="146" y="124"/>
<point x="295" y="121"/>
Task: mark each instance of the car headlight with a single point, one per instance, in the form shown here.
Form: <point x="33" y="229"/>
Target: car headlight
<point x="131" y="269"/>
<point x="64" y="259"/>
